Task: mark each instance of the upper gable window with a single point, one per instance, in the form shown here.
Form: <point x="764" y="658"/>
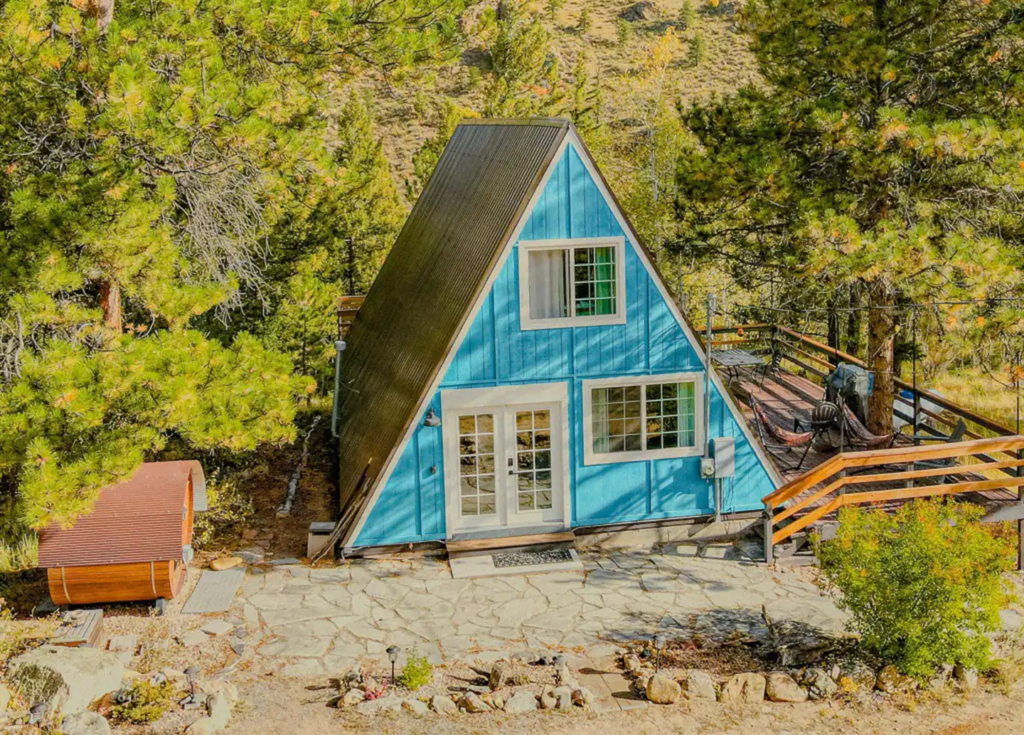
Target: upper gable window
<point x="572" y="283"/>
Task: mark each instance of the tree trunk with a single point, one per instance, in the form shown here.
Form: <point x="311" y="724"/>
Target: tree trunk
<point x="110" y="302"/>
<point x="853" y="321"/>
<point x="881" y="339"/>
<point x="833" y="324"/>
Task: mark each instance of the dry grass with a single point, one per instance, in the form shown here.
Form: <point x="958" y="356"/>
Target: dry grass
<point x="979" y="392"/>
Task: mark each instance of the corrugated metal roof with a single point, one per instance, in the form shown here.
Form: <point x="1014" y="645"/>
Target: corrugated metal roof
<point x="135" y="520"/>
<point x="484" y="180"/>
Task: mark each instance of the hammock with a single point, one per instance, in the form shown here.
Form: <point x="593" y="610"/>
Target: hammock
<point x="859" y="433"/>
<point x="776" y="432"/>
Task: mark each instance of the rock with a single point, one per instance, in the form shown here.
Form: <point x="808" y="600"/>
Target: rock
<point x="415" y="707"/>
<point x="129" y="643"/>
<point x="66" y="679"/>
<point x="938" y="682"/>
<point x="663" y="690"/>
<point x="583" y="697"/>
<point x="251" y="556"/>
<point x="699" y="685"/>
<point x="353" y="697"/>
<point x="859" y="673"/>
<point x="891" y="681"/>
<point x="780" y="687"/>
<point x="966" y="679"/>
<point x="221" y="686"/>
<point x="376" y="706"/>
<point x="631" y="663"/>
<point x="496" y="700"/>
<point x="250" y="533"/>
<point x="746" y="688"/>
<point x="548" y="700"/>
<point x="443" y="705"/>
<point x="194" y="638"/>
<point x="640" y="11"/>
<point x="563" y="697"/>
<point x="565" y="678"/>
<point x="819" y="684"/>
<point x="499" y="676"/>
<point x="521" y="702"/>
<point x="217" y="628"/>
<point x="225" y="562"/>
<point x="472" y="703"/>
<point x="640" y="685"/>
<point x="239" y="648"/>
<point x="85" y="723"/>
<point x="797" y="644"/>
<point x="5" y="698"/>
<point x="219" y="712"/>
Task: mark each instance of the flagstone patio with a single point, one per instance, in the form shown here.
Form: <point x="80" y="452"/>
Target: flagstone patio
<point x="318" y="621"/>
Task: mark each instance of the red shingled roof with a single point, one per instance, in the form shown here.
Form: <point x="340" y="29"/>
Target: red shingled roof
<point x="139" y="519"/>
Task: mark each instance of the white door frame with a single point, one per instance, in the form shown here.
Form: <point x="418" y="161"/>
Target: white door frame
<point x="458" y="400"/>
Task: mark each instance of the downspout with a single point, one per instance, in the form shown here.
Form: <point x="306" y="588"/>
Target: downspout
<point x="339" y="347"/>
<point x="707" y="404"/>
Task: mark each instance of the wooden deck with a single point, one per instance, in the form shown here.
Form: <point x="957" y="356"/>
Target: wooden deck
<point x="787" y="397"/>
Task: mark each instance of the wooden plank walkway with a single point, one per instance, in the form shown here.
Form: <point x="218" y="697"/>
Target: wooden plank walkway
<point x="214" y="592"/>
<point x="80" y="628"/>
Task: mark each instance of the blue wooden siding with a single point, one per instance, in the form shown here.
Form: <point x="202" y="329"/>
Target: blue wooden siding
<point x="497" y="352"/>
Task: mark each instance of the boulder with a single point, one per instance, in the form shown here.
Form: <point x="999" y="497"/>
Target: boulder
<point x="221" y="686"/>
<point x="631" y="663"/>
<point x="521" y="702"/>
<point x="796" y="644"/>
<point x="376" y="706"/>
<point x="218" y="714"/>
<point x="65" y="679"/>
<point x="415" y="707"/>
<point x="225" y="562"/>
<point x="443" y="705"/>
<point x="353" y="697"/>
<point x="746" y="688"/>
<point x="941" y="678"/>
<point x="891" y="681"/>
<point x="780" y="687"/>
<point x="859" y="674"/>
<point x="662" y="689"/>
<point x="5" y="698"/>
<point x="966" y="679"/>
<point x="699" y="685"/>
<point x="85" y="723"/>
<point x="819" y="684"/>
<point x="472" y="703"/>
<point x="583" y="697"/>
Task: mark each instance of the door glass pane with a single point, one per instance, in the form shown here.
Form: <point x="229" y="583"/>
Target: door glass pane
<point x="533" y="460"/>
<point x="476" y="465"/>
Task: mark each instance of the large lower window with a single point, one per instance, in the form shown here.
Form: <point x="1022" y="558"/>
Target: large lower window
<point x="571" y="282"/>
<point x="650" y="417"/>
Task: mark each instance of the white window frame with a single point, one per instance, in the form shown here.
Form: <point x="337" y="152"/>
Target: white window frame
<point x="590" y="457"/>
<point x="619" y="317"/>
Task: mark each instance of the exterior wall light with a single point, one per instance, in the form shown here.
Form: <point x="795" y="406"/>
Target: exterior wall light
<point x="431" y="419"/>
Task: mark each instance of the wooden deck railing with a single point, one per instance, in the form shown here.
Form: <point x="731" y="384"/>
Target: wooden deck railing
<point x="802" y="494"/>
<point x="819" y="359"/>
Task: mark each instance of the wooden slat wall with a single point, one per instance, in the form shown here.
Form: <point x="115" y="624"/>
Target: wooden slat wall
<point x="115" y="582"/>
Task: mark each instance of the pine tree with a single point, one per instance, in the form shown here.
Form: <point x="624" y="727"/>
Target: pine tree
<point x="686" y="15"/>
<point x="883" y="151"/>
<point x="158" y="160"/>
<point x="525" y="75"/>
<point x="584" y="24"/>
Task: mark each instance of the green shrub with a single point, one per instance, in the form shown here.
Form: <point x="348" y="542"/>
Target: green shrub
<point x="698" y="49"/>
<point x="922" y="586"/>
<point x="230" y="509"/>
<point x="623" y="31"/>
<point x="146" y="702"/>
<point x="416" y="672"/>
<point x="19" y="552"/>
<point x="584" y="24"/>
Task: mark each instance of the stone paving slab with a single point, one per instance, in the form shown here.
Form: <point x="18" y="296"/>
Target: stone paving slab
<point x="334" y="618"/>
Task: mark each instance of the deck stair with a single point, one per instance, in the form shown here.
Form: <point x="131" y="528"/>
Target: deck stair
<point x="987" y="471"/>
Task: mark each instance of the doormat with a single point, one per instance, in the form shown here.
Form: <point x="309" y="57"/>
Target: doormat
<point x="515" y="562"/>
<point x="530" y="558"/>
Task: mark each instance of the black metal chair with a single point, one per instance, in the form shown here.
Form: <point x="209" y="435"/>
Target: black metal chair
<point x="824" y="419"/>
<point x="774" y="366"/>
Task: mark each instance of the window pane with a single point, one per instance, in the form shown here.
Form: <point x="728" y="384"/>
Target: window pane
<point x="547" y="279"/>
<point x="623" y="407"/>
<point x="594" y="286"/>
<point x="544" y="479"/>
<point x="633" y="443"/>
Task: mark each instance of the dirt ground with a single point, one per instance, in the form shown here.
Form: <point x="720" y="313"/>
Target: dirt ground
<point x="282" y="707"/>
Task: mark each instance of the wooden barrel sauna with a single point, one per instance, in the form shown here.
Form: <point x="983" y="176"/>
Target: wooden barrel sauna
<point x="116" y="582"/>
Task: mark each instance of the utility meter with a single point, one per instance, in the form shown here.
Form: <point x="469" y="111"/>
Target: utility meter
<point x="707" y="467"/>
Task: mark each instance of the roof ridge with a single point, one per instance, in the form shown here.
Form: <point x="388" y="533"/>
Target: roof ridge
<point x="498" y="121"/>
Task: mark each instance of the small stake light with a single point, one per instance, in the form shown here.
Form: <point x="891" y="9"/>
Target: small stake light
<point x="192" y="676"/>
<point x="393" y="652"/>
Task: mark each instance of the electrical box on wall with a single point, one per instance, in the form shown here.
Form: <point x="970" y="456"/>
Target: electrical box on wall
<point x="723" y="452"/>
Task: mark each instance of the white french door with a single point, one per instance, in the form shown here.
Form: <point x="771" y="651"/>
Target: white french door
<point x="505" y="463"/>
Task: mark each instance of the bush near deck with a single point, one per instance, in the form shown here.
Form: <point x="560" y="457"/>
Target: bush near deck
<point x="923" y="586"/>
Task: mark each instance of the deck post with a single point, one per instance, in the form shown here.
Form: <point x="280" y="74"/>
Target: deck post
<point x="768" y="535"/>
